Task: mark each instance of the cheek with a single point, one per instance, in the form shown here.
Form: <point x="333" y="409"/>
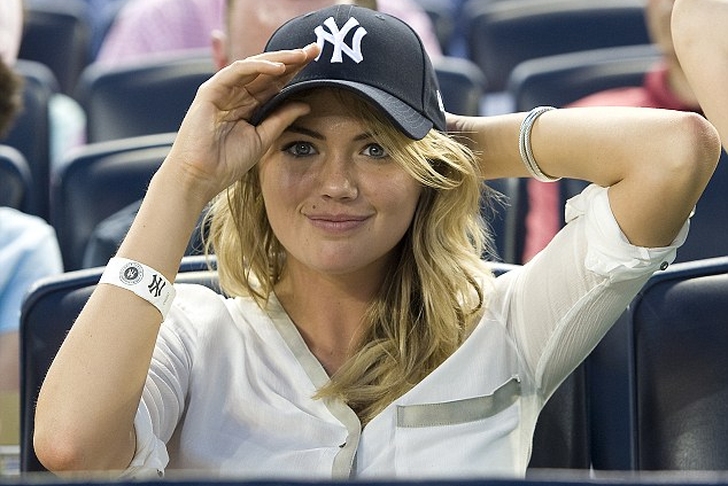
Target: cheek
<point x="400" y="197"/>
<point x="279" y="184"/>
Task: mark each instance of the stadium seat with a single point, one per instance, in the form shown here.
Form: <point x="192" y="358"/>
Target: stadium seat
<point x="709" y="225"/>
<point x="504" y="214"/>
<point x="503" y="34"/>
<point x="31" y="132"/>
<point x="57" y="34"/>
<point x="462" y="84"/>
<point x="98" y="180"/>
<point x="561" y="79"/>
<point x="443" y="21"/>
<point x="658" y="382"/>
<point x="140" y="99"/>
<point x="15" y="179"/>
<point x="48" y="313"/>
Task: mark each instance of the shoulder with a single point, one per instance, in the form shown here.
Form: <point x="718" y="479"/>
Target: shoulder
<point x="23" y="234"/>
<point x="16" y="222"/>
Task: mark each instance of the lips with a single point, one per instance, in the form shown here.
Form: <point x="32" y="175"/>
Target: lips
<point x="337" y="222"/>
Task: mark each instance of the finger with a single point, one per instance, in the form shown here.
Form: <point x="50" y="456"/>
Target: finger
<point x="276" y="123"/>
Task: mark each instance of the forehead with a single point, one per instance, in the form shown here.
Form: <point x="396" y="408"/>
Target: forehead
<point x="251" y="22"/>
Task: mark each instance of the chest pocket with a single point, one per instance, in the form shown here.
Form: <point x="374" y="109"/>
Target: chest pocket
<point x="471" y="436"/>
<point x="460" y="411"/>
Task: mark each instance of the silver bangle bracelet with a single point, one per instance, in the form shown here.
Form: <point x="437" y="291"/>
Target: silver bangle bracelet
<point x="524" y="144"/>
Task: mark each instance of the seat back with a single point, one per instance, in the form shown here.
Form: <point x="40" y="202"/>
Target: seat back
<point x="15" y="179"/>
<point x="665" y="362"/>
<point x="98" y="180"/>
<point x="30" y="133"/>
<point x="562" y="439"/>
<point x="503" y="34"/>
<point x="57" y="35"/>
<point x="562" y="79"/>
<point x="48" y="313"/>
<point x="503" y="214"/>
<point x="442" y="15"/>
<point x="462" y="84"/>
<point x="709" y="225"/>
<point x="140" y="99"/>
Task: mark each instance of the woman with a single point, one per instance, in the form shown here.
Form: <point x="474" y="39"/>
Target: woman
<point x="363" y="337"/>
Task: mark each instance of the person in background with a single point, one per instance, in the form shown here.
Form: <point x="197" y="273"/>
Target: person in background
<point x="144" y="29"/>
<point x="28" y="246"/>
<point x="664" y="86"/>
<point x="698" y="31"/>
<point x="360" y="334"/>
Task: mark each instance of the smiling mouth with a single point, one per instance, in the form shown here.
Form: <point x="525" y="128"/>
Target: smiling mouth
<point x="337" y="223"/>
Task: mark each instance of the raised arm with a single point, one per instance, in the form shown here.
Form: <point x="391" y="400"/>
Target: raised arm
<point x="698" y="31"/>
<point x="86" y="407"/>
<point x="656" y="162"/>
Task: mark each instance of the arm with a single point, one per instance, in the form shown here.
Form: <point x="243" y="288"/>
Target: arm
<point x="658" y="161"/>
<point x="698" y="30"/>
<point x="87" y="404"/>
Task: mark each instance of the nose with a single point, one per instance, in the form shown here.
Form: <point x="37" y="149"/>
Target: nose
<point x="338" y="178"/>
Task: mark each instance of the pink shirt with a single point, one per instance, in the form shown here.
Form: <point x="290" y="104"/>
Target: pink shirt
<point x="11" y="28"/>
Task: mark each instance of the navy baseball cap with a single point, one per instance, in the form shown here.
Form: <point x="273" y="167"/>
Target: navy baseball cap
<point x="370" y="53"/>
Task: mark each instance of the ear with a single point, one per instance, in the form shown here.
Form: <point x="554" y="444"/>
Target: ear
<point x="218" y="41"/>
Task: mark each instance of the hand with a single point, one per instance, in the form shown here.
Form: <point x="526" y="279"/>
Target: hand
<point x="216" y="144"/>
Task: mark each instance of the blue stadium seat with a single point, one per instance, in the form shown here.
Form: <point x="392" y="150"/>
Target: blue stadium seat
<point x="31" y="131"/>
<point x="57" y="34"/>
<point x="15" y="179"/>
<point x="462" y="84"/>
<point x="48" y="313"/>
<point x="503" y="34"/>
<point x="98" y="180"/>
<point x="658" y="382"/>
<point x="561" y="79"/>
<point x="143" y="98"/>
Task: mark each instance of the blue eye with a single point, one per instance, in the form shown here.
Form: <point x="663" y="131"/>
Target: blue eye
<point x="375" y="150"/>
<point x="299" y="149"/>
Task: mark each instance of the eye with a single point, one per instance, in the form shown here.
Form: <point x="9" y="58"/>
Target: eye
<point x="299" y="149"/>
<point x="375" y="151"/>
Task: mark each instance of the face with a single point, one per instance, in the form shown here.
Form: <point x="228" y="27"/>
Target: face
<point x="335" y="198"/>
<point x="251" y="23"/>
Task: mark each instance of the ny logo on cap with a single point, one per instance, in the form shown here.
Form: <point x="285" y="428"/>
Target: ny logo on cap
<point x="336" y="37"/>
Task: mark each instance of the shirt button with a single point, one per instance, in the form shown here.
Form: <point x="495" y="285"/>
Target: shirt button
<point x="663" y="265"/>
<point x="341" y="446"/>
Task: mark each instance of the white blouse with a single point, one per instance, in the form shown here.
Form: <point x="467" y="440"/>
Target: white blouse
<point x="229" y="391"/>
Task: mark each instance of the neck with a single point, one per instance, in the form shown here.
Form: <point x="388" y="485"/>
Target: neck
<point x="328" y="311"/>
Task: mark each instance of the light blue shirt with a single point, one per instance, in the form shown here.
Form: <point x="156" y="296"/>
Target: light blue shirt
<point x="28" y="251"/>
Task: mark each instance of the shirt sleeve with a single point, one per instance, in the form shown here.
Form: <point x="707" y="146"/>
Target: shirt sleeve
<point x="561" y="303"/>
<point x="163" y="398"/>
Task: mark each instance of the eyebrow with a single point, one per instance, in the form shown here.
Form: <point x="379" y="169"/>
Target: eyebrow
<point x="318" y="136"/>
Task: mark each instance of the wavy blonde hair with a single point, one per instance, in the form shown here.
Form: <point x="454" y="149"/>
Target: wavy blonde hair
<point x="428" y="302"/>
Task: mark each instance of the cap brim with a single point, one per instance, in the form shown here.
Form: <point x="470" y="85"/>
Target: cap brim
<point x="412" y="123"/>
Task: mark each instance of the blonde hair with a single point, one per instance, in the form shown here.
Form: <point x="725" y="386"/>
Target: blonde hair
<point x="428" y="302"/>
